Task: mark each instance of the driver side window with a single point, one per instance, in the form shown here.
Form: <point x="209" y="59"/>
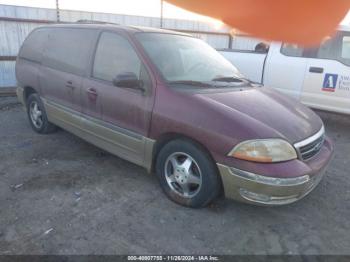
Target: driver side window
<point x="114" y="55"/>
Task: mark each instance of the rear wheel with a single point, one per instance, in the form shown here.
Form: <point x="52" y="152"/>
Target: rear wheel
<point x="37" y="115"/>
<point x="187" y="174"/>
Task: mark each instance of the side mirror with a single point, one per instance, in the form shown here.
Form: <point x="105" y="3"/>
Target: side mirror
<point x="128" y="80"/>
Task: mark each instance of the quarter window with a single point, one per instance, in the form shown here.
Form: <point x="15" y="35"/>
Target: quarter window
<point x="34" y="45"/>
<point x="114" y="55"/>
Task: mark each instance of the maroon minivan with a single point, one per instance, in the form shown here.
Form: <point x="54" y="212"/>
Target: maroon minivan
<point x="172" y="104"/>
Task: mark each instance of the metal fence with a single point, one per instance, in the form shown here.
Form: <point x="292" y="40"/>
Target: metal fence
<point x="16" y="22"/>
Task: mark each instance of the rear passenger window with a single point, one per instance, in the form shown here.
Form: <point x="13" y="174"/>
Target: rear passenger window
<point x="114" y="55"/>
<point x="68" y="49"/>
<point x="34" y="45"/>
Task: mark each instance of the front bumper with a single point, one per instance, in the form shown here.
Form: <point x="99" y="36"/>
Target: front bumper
<point x="237" y="186"/>
<point x="282" y="183"/>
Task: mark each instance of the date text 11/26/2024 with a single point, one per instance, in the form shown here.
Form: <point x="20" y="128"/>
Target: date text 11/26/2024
<point x="173" y="258"/>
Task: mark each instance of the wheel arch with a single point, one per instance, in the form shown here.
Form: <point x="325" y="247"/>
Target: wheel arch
<point x="27" y="91"/>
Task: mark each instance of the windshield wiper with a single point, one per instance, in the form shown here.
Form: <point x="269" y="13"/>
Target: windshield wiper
<point x="191" y="82"/>
<point x="234" y="79"/>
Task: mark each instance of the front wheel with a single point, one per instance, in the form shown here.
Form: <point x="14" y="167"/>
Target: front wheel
<point x="187" y="174"/>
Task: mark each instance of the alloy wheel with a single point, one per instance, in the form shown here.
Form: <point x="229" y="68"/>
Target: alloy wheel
<point x="36" y="114"/>
<point x="183" y="174"/>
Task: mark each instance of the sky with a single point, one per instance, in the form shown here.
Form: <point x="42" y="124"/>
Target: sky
<point x="347" y="19"/>
<point x="131" y="7"/>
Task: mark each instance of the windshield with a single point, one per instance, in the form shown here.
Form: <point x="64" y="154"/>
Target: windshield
<point x="183" y="58"/>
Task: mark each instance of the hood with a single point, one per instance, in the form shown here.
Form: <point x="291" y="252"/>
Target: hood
<point x="266" y="113"/>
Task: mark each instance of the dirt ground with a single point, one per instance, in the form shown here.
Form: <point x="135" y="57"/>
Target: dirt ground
<point x="61" y="195"/>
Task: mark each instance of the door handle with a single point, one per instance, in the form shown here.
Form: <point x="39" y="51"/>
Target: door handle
<point x="69" y="84"/>
<point x="318" y="70"/>
<point x="92" y="93"/>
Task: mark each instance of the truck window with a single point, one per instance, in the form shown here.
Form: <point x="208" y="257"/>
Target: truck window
<point x="292" y="50"/>
<point x="298" y="51"/>
<point x="345" y="50"/>
<point x="337" y="48"/>
<point x="114" y="55"/>
<point x="334" y="48"/>
<point x="327" y="49"/>
<point x="68" y="49"/>
<point x="34" y="45"/>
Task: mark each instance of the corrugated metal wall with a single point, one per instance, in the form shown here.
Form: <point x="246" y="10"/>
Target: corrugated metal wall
<point x="243" y="42"/>
<point x="7" y="75"/>
<point x="12" y="33"/>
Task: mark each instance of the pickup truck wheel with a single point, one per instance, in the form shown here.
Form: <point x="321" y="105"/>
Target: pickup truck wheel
<point x="37" y="115"/>
<point x="187" y="174"/>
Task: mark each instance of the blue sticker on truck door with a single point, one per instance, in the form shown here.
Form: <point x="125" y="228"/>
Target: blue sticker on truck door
<point x="330" y="82"/>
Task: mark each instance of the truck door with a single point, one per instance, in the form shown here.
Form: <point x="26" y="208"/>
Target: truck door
<point x="285" y="69"/>
<point x="327" y="76"/>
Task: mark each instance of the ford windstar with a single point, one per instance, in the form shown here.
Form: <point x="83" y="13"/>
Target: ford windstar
<point x="172" y="104"/>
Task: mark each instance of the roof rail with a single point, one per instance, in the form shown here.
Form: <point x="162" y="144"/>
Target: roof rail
<point x="87" y="21"/>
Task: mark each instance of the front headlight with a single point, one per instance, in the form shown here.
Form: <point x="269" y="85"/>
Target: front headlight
<point x="264" y="150"/>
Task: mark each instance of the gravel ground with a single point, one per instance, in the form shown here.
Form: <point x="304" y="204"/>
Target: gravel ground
<point x="61" y="195"/>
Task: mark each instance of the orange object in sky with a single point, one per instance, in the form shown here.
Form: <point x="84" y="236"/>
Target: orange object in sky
<point x="304" y="22"/>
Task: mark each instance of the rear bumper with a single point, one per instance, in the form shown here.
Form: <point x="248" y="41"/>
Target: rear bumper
<point x="237" y="186"/>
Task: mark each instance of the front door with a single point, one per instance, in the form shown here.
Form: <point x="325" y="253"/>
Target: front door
<point x="125" y="115"/>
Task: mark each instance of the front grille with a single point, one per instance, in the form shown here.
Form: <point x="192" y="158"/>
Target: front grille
<point x="311" y="149"/>
<point x="310" y="146"/>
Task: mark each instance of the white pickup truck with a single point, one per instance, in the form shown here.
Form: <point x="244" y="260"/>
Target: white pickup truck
<point x="318" y="77"/>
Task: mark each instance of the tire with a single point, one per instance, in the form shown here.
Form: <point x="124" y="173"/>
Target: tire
<point x="37" y="115"/>
<point x="187" y="174"/>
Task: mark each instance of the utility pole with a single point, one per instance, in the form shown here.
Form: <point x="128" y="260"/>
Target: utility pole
<point x="161" y="13"/>
<point x="57" y="11"/>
